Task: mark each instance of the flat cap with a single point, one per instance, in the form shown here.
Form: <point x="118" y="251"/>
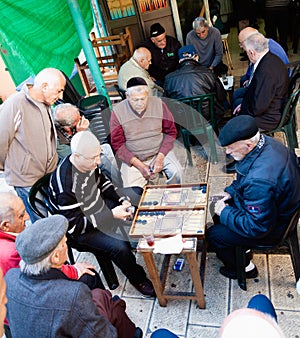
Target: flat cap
<point x="136" y="81"/>
<point x="39" y="239"/>
<point x="156" y="29"/>
<point x="239" y="128"/>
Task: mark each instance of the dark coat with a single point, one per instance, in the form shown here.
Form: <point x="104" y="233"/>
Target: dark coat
<point x="266" y="192"/>
<point x="53" y="306"/>
<point x="267" y="93"/>
<point x="192" y="79"/>
<point x="163" y="61"/>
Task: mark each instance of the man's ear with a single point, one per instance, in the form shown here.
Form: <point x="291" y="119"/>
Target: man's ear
<point x="55" y="257"/>
<point x="5" y="226"/>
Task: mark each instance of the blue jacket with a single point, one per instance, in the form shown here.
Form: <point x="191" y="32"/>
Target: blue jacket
<point x="266" y="192"/>
<point x="52" y="305"/>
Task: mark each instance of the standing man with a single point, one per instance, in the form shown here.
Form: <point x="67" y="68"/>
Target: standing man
<point x="94" y="206"/>
<point x="164" y="50"/>
<point x="27" y="133"/>
<point x="138" y="65"/>
<point x="258" y="206"/>
<point x="208" y="44"/>
<point x="143" y="134"/>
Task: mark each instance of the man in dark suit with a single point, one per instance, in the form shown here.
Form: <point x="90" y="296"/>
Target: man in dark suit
<point x="267" y="92"/>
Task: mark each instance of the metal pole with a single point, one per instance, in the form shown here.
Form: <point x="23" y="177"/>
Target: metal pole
<point x="87" y="47"/>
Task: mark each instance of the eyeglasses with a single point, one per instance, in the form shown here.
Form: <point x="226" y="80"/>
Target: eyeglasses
<point x="93" y="159"/>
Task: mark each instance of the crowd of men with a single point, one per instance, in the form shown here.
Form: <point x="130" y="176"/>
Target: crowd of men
<point x="93" y="197"/>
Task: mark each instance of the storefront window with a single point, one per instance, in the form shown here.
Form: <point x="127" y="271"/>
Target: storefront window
<point x="119" y="9"/>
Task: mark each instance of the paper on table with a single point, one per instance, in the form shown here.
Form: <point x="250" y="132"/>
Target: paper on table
<point x="170" y="245"/>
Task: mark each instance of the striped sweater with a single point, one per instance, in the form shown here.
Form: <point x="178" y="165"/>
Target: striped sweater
<point x="85" y="199"/>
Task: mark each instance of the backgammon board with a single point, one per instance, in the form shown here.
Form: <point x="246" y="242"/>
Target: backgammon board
<point x="167" y="210"/>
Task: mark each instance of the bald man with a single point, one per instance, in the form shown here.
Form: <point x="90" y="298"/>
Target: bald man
<point x="27" y="133"/>
<point x="274" y="48"/>
<point x="137" y="66"/>
<point x="94" y="206"/>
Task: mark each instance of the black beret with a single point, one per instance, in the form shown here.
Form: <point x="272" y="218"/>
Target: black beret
<point x="156" y="29"/>
<point x="136" y="81"/>
<point x="39" y="239"/>
<point x="241" y="127"/>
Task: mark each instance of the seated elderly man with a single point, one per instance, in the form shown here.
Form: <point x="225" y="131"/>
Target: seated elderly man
<point x="12" y="222"/>
<point x="258" y="206"/>
<point x="43" y="301"/>
<point x="192" y="79"/>
<point x="143" y="134"/>
<point x="208" y="44"/>
<point x="164" y="50"/>
<point x="138" y="65"/>
<point x="68" y="121"/>
<point x="94" y="207"/>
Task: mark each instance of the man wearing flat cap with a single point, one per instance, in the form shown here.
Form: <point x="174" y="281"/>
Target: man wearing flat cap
<point x="258" y="206"/>
<point x="192" y="79"/>
<point x="142" y="135"/>
<point x="164" y="50"/>
<point x="43" y="301"/>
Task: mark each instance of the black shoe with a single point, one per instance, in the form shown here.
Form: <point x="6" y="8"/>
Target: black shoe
<point x="233" y="275"/>
<point x="138" y="333"/>
<point x="145" y="288"/>
<point x="229" y="168"/>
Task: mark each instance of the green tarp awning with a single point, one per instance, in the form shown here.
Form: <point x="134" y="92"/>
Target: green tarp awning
<point x="35" y="34"/>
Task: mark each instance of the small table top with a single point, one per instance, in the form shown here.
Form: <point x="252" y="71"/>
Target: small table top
<point x="168" y="210"/>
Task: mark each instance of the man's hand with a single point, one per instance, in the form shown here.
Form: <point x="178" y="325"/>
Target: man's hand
<point x="219" y="206"/>
<point x="83" y="124"/>
<point x="158" y="163"/>
<point x="120" y="212"/>
<point x="84" y="267"/>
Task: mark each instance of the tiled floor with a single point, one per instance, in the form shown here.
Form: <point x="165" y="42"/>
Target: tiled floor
<point x="276" y="277"/>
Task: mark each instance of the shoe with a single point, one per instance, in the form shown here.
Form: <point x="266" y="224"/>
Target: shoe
<point x="145" y="288"/>
<point x="233" y="275"/>
<point x="229" y="168"/>
<point x="138" y="333"/>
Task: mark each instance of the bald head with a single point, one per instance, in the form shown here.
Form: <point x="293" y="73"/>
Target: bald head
<point x="48" y="86"/>
<point x="142" y="56"/>
<point x="84" y="142"/>
<point x="7" y="204"/>
<point x="12" y="213"/>
<point x="66" y="115"/>
<point x="245" y="33"/>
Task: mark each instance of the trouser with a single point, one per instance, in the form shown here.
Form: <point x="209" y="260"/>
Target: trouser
<point x="263" y="304"/>
<point x="223" y="241"/>
<point x="172" y="168"/>
<point x="114" y="310"/>
<point x="23" y="193"/>
<point x="118" y="250"/>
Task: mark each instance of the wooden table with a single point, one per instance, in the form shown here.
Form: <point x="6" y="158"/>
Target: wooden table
<point x="167" y="210"/>
<point x="159" y="280"/>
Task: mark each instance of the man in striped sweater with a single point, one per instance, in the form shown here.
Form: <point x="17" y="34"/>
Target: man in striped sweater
<point x="93" y="207"/>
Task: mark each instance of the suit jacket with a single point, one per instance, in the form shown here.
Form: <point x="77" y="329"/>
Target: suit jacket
<point x="267" y="93"/>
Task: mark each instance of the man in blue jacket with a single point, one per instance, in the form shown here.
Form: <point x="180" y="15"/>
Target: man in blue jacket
<point x="258" y="206"/>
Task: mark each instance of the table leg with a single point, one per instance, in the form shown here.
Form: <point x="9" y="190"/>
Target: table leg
<point x="154" y="276"/>
<point x="194" y="268"/>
